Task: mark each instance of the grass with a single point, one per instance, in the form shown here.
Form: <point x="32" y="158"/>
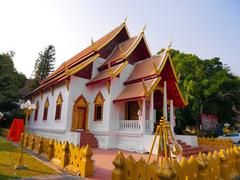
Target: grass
<point x="9" y="156"/>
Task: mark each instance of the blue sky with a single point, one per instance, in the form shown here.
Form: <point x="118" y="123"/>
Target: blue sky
<point x="202" y="27"/>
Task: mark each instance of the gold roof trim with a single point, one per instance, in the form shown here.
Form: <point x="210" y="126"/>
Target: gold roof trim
<point x="180" y="93"/>
<point x="120" y="68"/>
<point x="134" y="45"/>
<point x="84" y="64"/>
<point x="123" y="25"/>
<point x="153" y="87"/>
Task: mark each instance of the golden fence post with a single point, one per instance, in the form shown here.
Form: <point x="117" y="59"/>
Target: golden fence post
<point x="118" y="162"/>
<point x="39" y="145"/>
<point x="31" y="142"/>
<point x="64" y="156"/>
<point x="223" y="165"/>
<point x="233" y="157"/>
<point x="194" y="172"/>
<point x="129" y="168"/>
<point x="184" y="168"/>
<point x="86" y="164"/>
<point x="26" y="141"/>
<point x="140" y="169"/>
<point x="180" y="171"/>
<point x="167" y="170"/>
<point x="152" y="171"/>
<point x="212" y="168"/>
<point x="216" y="161"/>
<point x="203" y="166"/>
<point x="237" y="160"/>
<point x="50" y="149"/>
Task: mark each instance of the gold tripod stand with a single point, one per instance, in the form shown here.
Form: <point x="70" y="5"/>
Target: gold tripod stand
<point x="162" y="132"/>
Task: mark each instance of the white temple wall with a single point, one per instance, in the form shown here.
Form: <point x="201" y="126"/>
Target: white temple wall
<point x="77" y="88"/>
<point x="96" y="64"/>
<point x="51" y="127"/>
<point x="117" y="109"/>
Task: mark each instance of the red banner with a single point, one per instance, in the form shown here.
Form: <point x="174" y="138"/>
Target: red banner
<point x="16" y="130"/>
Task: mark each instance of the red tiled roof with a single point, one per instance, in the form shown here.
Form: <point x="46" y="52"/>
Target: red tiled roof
<point x="120" y="50"/>
<point x="87" y="51"/>
<point x="103" y="75"/>
<point x="146" y="68"/>
<point x="136" y="90"/>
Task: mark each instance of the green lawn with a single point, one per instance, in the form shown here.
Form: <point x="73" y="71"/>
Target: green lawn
<point x="9" y="156"/>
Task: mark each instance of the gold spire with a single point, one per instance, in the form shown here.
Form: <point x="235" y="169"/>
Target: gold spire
<point x="110" y="70"/>
<point x="170" y="44"/>
<point x="67" y="73"/>
<point x="125" y="20"/>
<point x="93" y="44"/>
<point x="144" y="28"/>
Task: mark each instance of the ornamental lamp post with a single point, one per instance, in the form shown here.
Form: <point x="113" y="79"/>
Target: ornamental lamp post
<point x="27" y="108"/>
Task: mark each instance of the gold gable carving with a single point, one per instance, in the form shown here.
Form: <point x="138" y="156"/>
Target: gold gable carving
<point x="59" y="99"/>
<point x="99" y="98"/>
<point x="46" y="104"/>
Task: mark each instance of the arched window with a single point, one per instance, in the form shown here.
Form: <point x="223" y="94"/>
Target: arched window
<point x="45" y="112"/>
<point x="36" y="112"/>
<point x="98" y="110"/>
<point x="58" y="107"/>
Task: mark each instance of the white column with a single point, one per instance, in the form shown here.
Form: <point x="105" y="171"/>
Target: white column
<point x="165" y="100"/>
<point x="143" y="115"/>
<point x="172" y="115"/>
<point x="151" y="113"/>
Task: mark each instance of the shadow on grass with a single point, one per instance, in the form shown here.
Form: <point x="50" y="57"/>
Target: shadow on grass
<point x="7" y="146"/>
<point x="4" y="177"/>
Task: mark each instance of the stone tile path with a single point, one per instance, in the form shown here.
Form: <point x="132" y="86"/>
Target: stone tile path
<point x="103" y="162"/>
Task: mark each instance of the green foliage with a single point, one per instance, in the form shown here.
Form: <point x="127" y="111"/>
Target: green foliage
<point x="44" y="65"/>
<point x="209" y="86"/>
<point x="10" y="82"/>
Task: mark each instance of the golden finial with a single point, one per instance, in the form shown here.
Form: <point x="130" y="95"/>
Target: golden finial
<point x="170" y="44"/>
<point x="67" y="73"/>
<point x="125" y="20"/>
<point x="144" y="28"/>
<point x="93" y="44"/>
<point x="110" y="70"/>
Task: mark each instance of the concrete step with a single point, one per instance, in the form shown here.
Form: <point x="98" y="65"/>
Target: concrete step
<point x="88" y="138"/>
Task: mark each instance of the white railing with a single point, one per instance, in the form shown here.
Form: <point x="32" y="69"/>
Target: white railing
<point x="148" y="126"/>
<point x="135" y="126"/>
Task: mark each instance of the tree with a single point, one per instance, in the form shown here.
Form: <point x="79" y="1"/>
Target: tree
<point x="44" y="65"/>
<point x="209" y="86"/>
<point x="10" y="82"/>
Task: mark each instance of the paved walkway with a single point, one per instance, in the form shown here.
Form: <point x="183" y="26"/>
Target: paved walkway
<point x="103" y="162"/>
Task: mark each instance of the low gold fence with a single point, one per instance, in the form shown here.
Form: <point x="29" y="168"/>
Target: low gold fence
<point x="73" y="158"/>
<point x="224" y="164"/>
<point x="215" y="142"/>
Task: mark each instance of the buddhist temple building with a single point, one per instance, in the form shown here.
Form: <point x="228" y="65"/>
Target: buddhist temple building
<point x="109" y="91"/>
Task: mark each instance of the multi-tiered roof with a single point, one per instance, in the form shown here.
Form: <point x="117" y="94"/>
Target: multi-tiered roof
<point x="119" y="49"/>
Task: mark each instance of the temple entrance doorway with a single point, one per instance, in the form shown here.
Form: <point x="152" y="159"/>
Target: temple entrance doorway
<point x="80" y="114"/>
